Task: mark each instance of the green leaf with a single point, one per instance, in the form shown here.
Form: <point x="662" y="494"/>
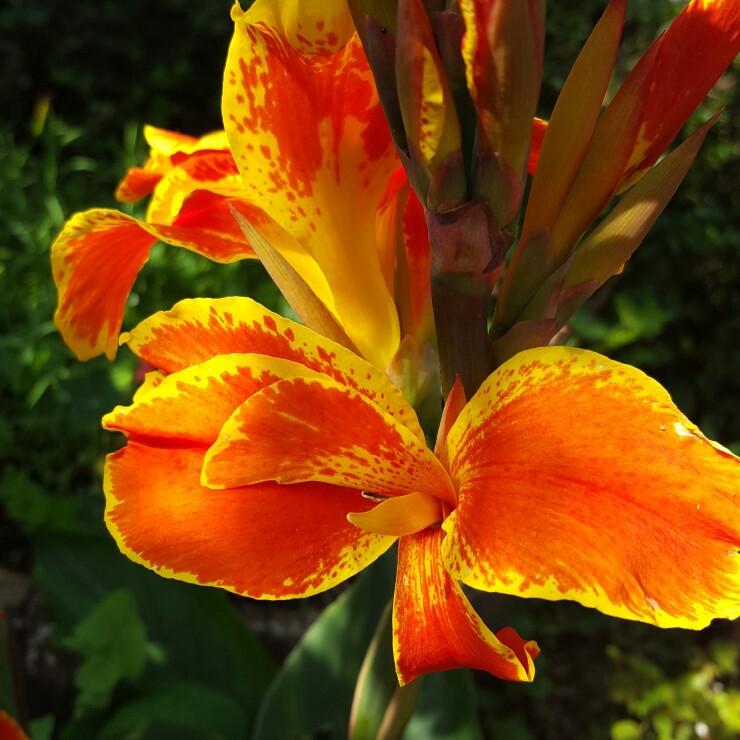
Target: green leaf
<point x="447" y="708"/>
<point x="179" y="711"/>
<point x="313" y="690"/>
<point x="376" y="682"/>
<point x="112" y="641"/>
<point x="201" y="636"/>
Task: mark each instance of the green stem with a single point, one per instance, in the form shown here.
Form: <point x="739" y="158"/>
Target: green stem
<point x="460" y="303"/>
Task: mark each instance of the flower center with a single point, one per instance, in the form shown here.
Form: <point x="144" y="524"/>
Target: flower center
<point x="400" y="515"/>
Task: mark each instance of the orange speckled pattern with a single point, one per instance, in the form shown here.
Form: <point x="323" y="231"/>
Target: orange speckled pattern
<point x="96" y="258"/>
<point x="579" y="479"/>
<point x="198" y="329"/>
<point x="316" y="429"/>
<point x="436" y="629"/>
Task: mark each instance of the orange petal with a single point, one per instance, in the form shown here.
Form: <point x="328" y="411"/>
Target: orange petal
<point x="193" y="404"/>
<point x="215" y="172"/>
<point x="303" y="429"/>
<point x="579" y="479"/>
<point x="539" y="128"/>
<point x="9" y="728"/>
<point x="96" y="259"/>
<point x="265" y="541"/>
<point x="699" y="45"/>
<point x="405" y="255"/>
<point x="166" y="150"/>
<point x="424" y="93"/>
<point x="436" y="629"/>
<point x="198" y="329"/>
<point x="311" y="141"/>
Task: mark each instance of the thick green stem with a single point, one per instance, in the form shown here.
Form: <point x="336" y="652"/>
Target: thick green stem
<point x="460" y="302"/>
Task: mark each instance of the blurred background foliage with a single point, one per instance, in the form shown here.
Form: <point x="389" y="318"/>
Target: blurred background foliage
<point x="92" y="646"/>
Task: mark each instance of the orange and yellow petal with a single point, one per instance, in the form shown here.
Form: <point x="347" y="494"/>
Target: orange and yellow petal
<point x="211" y="171"/>
<point x="579" y="479"/>
<point x="304" y="429"/>
<point x="193" y="404"/>
<point x="436" y="629"/>
<point x="166" y="150"/>
<point x="698" y="46"/>
<point x="313" y="146"/>
<point x="264" y="541"/>
<point x="95" y="261"/>
<point x="196" y="330"/>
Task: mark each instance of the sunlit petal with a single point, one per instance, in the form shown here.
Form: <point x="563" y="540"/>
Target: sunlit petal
<point x="579" y="479"/>
<point x="314" y="149"/>
<point x="193" y="404"/>
<point x="318" y="430"/>
<point x="198" y="329"/>
<point x="436" y="629"/>
<point x="95" y="261"/>
<point x="265" y="541"/>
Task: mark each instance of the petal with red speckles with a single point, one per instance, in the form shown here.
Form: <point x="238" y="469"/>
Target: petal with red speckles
<point x="96" y="258"/>
<point x="213" y="172"/>
<point x="193" y="404"/>
<point x="311" y="141"/>
<point x="264" y="541"/>
<point x="166" y="150"/>
<point x="198" y="329"/>
<point x="305" y="429"/>
<point x="579" y="479"/>
<point x="436" y="629"/>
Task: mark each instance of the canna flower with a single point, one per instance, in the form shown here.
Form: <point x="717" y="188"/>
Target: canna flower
<point x="267" y="460"/>
<point x="589" y="156"/>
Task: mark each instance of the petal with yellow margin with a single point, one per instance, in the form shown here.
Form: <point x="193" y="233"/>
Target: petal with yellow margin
<point x="311" y="141"/>
<point x="304" y="429"/>
<point x="214" y="172"/>
<point x="579" y="479"/>
<point x="436" y="629"/>
<point x="198" y="329"/>
<point x="264" y="541"/>
<point x="166" y="150"/>
<point x="95" y="261"/>
<point x="193" y="404"/>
